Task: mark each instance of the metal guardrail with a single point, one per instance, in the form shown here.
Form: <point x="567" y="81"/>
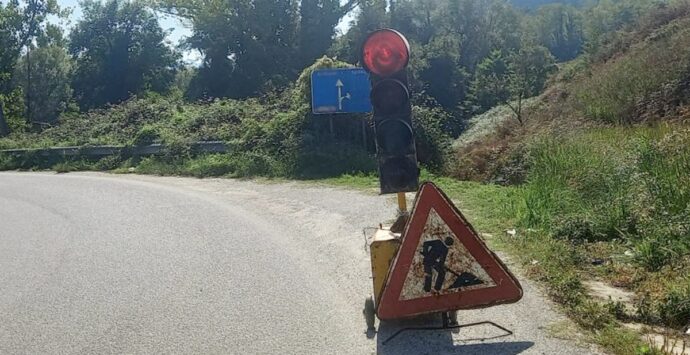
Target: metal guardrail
<point x="106" y="150"/>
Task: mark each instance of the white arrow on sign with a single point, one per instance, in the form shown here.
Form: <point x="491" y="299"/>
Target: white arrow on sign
<point x="340" y="85"/>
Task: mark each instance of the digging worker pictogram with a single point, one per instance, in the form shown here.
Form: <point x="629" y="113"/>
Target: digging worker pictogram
<point x="435" y="253"/>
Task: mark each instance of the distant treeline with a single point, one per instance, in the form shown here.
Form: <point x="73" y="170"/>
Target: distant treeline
<point x="468" y="55"/>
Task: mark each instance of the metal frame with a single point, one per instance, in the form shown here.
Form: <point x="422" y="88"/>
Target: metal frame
<point x="449" y="323"/>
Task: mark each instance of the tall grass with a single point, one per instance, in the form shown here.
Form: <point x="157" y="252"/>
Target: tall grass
<point x="626" y="184"/>
<point x="613" y="90"/>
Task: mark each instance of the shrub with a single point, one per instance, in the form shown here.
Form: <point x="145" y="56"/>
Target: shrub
<point x="210" y="165"/>
<point x="108" y="163"/>
<point x="577" y="229"/>
<point x="335" y="160"/>
<point x="146" y="135"/>
<point x="433" y="143"/>
<point x="674" y="309"/>
<point x="653" y="254"/>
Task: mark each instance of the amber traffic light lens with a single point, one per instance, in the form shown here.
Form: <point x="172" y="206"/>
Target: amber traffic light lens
<point x="385" y="52"/>
<point x="389" y="97"/>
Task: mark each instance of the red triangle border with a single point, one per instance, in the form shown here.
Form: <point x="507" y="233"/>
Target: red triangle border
<point x="507" y="289"/>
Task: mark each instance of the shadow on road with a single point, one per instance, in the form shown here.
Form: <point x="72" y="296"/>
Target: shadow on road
<point x="482" y="339"/>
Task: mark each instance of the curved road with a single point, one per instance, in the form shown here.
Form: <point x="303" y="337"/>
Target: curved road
<point x="97" y="263"/>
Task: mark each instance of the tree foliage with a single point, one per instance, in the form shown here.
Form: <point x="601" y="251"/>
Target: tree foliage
<point x="250" y="47"/>
<point x="559" y="28"/>
<point x="20" y="23"/>
<point x="48" y="86"/>
<point x="119" y="51"/>
<point x="467" y="55"/>
<point x="511" y="78"/>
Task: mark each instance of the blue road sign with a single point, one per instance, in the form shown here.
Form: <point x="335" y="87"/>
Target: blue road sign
<point x="340" y="91"/>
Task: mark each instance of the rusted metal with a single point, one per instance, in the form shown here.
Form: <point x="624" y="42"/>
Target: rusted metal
<point x="443" y="264"/>
<point x="399" y="224"/>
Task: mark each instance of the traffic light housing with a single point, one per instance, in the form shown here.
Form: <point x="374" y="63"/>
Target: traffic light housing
<point x="385" y="55"/>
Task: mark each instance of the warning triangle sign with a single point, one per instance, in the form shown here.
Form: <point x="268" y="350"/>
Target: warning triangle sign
<point x="443" y="264"/>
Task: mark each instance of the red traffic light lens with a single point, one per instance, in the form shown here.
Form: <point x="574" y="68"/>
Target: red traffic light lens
<point x="385" y="52"/>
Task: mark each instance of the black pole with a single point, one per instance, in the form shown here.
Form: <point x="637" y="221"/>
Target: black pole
<point x="28" y="85"/>
<point x="4" y="128"/>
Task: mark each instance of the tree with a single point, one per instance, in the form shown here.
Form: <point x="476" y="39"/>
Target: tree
<point x="558" y="27"/>
<point x="50" y="91"/>
<point x="440" y="72"/>
<point x="481" y="26"/>
<point x="317" y="22"/>
<point x="490" y="85"/>
<point x="20" y="23"/>
<point x="528" y="69"/>
<point x="247" y="45"/>
<point x="510" y="79"/>
<point x="250" y="47"/>
<point x="371" y="15"/>
<point x="416" y="19"/>
<point x="119" y="50"/>
<point x="608" y="16"/>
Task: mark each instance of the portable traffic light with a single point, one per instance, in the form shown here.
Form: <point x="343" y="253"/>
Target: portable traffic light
<point x="385" y="55"/>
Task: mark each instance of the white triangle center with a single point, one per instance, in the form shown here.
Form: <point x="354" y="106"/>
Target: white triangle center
<point x="441" y="264"/>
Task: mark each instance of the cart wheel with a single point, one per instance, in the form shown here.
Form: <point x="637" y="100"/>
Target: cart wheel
<point x="369" y="313"/>
<point x="453" y="318"/>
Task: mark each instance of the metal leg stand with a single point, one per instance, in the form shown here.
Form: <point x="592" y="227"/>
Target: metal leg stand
<point x="450" y="322"/>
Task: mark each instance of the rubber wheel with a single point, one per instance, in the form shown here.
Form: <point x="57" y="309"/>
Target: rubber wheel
<point x="453" y="318"/>
<point x="370" y="313"/>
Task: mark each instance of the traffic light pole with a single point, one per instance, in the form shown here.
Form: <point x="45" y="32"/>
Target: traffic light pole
<point x="402" y="202"/>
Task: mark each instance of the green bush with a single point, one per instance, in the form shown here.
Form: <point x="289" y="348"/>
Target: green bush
<point x="146" y="135"/>
<point x="74" y="164"/>
<point x="210" y="165"/>
<point x="576" y="229"/>
<point x="674" y="309"/>
<point x="431" y="137"/>
<point x="335" y="160"/>
<point x="109" y="163"/>
<point x="156" y="166"/>
<point x="653" y="253"/>
<point x="275" y="135"/>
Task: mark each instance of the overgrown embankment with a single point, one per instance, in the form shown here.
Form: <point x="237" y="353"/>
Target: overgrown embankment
<point x="274" y="135"/>
<point x="602" y="168"/>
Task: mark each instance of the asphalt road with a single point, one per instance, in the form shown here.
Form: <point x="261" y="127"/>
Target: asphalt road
<point x="95" y="263"/>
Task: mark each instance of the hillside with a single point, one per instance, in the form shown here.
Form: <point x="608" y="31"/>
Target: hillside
<point x="603" y="167"/>
<point x="533" y="4"/>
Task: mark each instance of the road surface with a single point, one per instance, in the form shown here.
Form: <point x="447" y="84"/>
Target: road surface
<point x="97" y="263"/>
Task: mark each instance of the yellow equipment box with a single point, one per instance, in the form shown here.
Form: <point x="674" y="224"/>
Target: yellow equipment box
<point x="383" y="249"/>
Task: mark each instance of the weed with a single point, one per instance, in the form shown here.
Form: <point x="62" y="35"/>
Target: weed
<point x="674" y="309"/>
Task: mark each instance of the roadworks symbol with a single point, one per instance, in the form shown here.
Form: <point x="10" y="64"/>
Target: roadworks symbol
<point x="442" y="264"/>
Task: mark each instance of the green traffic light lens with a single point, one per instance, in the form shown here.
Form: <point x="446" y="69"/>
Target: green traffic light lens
<point x="394" y="136"/>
